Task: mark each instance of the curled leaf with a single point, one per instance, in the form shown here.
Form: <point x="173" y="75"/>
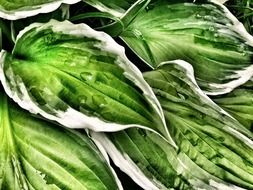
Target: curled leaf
<point x="80" y="78"/>
<point x="205" y="34"/>
<point x="211" y="138"/>
<point x="213" y="150"/>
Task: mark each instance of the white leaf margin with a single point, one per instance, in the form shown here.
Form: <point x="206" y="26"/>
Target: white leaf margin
<point x="238" y="77"/>
<point x="240" y="132"/>
<point x="185" y="165"/>
<point x="71" y="118"/>
<point x="122" y="161"/>
<point x="28" y="11"/>
<point x="243" y="75"/>
<point x="222" y="1"/>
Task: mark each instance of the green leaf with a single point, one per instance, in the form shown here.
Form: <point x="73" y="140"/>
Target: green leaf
<point x="209" y="137"/>
<point x="80" y="78"/>
<point x="214" y="150"/>
<point x="239" y="103"/>
<point x="16" y="9"/>
<point x="206" y="35"/>
<point x="147" y="158"/>
<point x="35" y="154"/>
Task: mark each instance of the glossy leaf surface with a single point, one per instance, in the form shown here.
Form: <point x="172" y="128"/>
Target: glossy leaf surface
<point x="206" y="35"/>
<point x="80" y="78"/>
<point x="213" y="150"/>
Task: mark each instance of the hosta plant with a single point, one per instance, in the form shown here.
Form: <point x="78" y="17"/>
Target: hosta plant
<point x="77" y="106"/>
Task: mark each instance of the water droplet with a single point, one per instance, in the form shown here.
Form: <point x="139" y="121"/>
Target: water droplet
<point x="149" y="7"/>
<point x="241" y="48"/>
<point x="208" y="17"/>
<point x="86" y="76"/>
<point x="99" y="101"/>
<point x="82" y="99"/>
<point x="137" y="32"/>
<point x="103" y="78"/>
<point x="41" y="174"/>
<point x="142" y="132"/>
<point x="198" y="16"/>
<point x="72" y="64"/>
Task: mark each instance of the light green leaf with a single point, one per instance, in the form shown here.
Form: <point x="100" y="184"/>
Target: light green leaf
<point x="214" y="150"/>
<point x="80" y="78"/>
<point x="239" y="103"/>
<point x="149" y="160"/>
<point x="203" y="131"/>
<point x="206" y="35"/>
<point x="35" y="154"/>
<point x="16" y="9"/>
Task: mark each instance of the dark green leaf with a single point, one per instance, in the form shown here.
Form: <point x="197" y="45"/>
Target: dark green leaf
<point x="209" y="137"/>
<point x="206" y="35"/>
<point x="239" y="103"/>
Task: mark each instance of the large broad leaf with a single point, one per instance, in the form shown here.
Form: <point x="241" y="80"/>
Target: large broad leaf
<point x="80" y="78"/>
<point x="35" y="154"/>
<point x="239" y="103"/>
<point x="214" y="150"/>
<point x="16" y="9"/>
<point x="204" y="132"/>
<point x="206" y="35"/>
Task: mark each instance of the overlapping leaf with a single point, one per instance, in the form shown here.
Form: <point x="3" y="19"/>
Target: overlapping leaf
<point x="208" y="136"/>
<point x="79" y="78"/>
<point x="35" y="154"/>
<point x="214" y="150"/>
<point x="239" y="103"/>
<point x="204" y="34"/>
<point x="15" y="9"/>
